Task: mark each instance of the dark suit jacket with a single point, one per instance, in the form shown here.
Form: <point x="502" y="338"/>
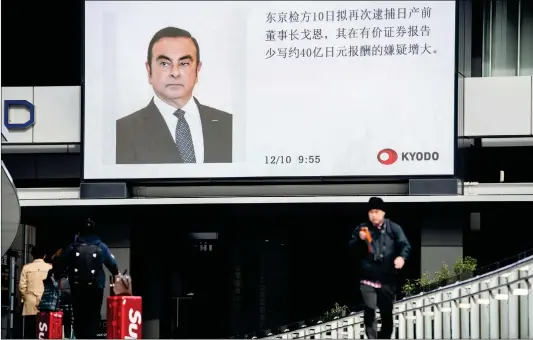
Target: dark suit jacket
<point x="143" y="137"/>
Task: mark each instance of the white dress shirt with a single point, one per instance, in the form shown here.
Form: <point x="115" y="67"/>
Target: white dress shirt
<point x="192" y="115"/>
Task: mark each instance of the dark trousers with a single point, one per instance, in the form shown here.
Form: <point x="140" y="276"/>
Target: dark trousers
<point x="30" y="327"/>
<point x="86" y="305"/>
<point x="67" y="321"/>
<point x="382" y="298"/>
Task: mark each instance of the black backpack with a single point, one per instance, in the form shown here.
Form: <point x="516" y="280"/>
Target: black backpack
<point x="85" y="265"/>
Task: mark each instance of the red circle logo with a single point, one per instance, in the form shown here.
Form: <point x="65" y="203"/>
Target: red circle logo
<point x="387" y="156"/>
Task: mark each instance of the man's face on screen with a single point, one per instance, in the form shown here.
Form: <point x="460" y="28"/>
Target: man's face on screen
<point x="173" y="71"/>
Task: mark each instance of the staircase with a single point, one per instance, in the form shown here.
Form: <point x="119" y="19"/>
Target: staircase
<point x="495" y="305"/>
<point x="10" y="210"/>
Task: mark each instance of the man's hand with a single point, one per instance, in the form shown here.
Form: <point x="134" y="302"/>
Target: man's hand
<point x="362" y="234"/>
<point x="399" y="262"/>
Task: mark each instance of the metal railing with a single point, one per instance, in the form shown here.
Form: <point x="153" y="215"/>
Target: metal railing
<point x="495" y="305"/>
<point x="505" y="262"/>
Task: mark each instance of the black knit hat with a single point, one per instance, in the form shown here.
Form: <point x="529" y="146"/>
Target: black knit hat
<point x="87" y="228"/>
<point x="376" y="203"/>
<point x="89" y="223"/>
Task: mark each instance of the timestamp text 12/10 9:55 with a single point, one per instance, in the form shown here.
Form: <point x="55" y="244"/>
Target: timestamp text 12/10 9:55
<point x="278" y="160"/>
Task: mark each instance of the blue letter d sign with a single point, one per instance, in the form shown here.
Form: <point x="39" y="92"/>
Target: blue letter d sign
<point x="18" y="103"/>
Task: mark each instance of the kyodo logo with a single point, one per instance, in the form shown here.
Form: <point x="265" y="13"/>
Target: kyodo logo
<point x="390" y="156"/>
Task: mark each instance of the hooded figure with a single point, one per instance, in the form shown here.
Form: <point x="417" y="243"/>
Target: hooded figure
<point x="83" y="261"/>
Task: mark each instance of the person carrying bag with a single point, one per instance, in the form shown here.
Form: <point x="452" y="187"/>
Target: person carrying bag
<point x="51" y="295"/>
<point x="50" y="317"/>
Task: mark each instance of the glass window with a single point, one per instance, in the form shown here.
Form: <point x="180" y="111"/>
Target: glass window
<point x="508" y="38"/>
<point x="526" y="38"/>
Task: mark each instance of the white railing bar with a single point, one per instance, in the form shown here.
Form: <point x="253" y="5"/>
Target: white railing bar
<point x="500" y="285"/>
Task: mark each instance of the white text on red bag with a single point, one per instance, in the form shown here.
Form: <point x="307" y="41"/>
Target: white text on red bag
<point x="135" y="318"/>
<point x="43" y="330"/>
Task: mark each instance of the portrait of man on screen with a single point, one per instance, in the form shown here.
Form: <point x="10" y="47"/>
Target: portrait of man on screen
<point x="174" y="127"/>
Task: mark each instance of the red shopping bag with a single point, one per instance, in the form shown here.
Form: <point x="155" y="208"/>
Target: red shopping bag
<point x="50" y="325"/>
<point x="124" y="317"/>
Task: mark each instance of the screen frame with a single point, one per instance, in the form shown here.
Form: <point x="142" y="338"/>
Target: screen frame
<point x="279" y="179"/>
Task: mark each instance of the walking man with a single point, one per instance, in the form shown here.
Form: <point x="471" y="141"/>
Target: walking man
<point x="83" y="260"/>
<point x="382" y="249"/>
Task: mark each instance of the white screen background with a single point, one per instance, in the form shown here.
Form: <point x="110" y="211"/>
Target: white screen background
<point x="342" y="109"/>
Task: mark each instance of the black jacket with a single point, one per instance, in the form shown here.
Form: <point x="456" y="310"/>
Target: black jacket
<point x="107" y="259"/>
<point x="377" y="263"/>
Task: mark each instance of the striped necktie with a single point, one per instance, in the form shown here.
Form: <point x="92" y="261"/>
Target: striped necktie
<point x="183" y="138"/>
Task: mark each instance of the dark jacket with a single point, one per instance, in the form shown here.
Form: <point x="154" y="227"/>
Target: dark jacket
<point x="376" y="263"/>
<point x="107" y="259"/>
<point x="143" y="137"/>
<point x="50" y="301"/>
<point x="62" y="280"/>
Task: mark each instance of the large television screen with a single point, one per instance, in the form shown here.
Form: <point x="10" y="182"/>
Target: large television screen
<point x="242" y="89"/>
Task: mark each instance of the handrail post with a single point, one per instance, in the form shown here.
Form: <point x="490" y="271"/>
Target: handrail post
<point x="474" y="314"/>
<point x="504" y="307"/>
<point x="465" y="307"/>
<point x="437" y="319"/>
<point x="402" y="329"/>
<point x="513" y="309"/>
<point x="530" y="307"/>
<point x="429" y="314"/>
<point x="409" y="316"/>
<point x="455" y="314"/>
<point x="524" y="312"/>
<point x="484" y="312"/>
<point x="446" y="316"/>
<point x="494" y="312"/>
<point x="419" y="321"/>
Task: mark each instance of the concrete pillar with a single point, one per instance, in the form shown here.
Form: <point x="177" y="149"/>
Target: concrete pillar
<point x="151" y="281"/>
<point x="22" y="243"/>
<point x="442" y="241"/>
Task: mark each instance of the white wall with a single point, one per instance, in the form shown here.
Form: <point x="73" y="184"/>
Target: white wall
<point x="57" y="114"/>
<point x="498" y="106"/>
<point x="442" y="242"/>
